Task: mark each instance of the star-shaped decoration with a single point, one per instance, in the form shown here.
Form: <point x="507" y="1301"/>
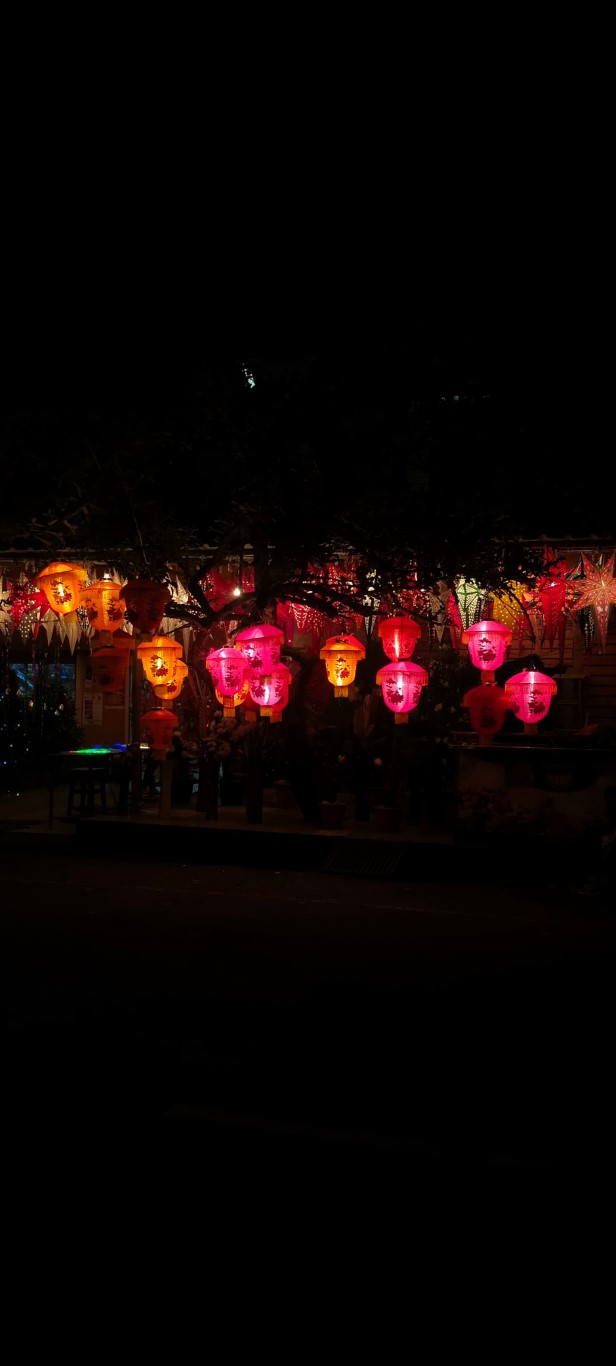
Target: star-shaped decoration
<point x="598" y="591"/>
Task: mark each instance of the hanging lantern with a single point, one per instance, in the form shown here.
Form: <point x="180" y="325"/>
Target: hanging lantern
<point x="270" y="690"/>
<point x="260" y="646"/>
<point x="110" y="663"/>
<point x="239" y="698"/>
<point x="488" y="706"/>
<point x="402" y="683"/>
<point x="597" y="590"/>
<point x="146" y="600"/>
<point x="157" y="727"/>
<point x="159" y="657"/>
<point x="103" y="606"/>
<point x="62" y="584"/>
<point x="342" y="655"/>
<point x="228" y="669"/>
<point x="173" y="687"/>
<point x="529" y="695"/>
<point x="399" y="636"/>
<point x="487" y="645"/>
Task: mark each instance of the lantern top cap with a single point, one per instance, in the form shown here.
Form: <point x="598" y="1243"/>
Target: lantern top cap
<point x="403" y="666"/>
<point x="399" y="622"/>
<point x="60" y="567"/>
<point x="485" y="628"/>
<point x="262" y="631"/>
<point x="529" y="678"/>
<point x="344" y="642"/>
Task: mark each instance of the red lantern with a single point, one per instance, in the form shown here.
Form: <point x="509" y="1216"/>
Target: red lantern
<point x="487" y="645"/>
<point x="260" y="646"/>
<point x="342" y="655"/>
<point x="529" y="694"/>
<point x="402" y="683"/>
<point x="159" y="656"/>
<point x="399" y="635"/>
<point x="145" y="600"/>
<point x="110" y="663"/>
<point x="228" y="669"/>
<point x="62" y="583"/>
<point x="270" y="690"/>
<point x="103" y="606"/>
<point x="157" y="727"/>
<point x="487" y="705"/>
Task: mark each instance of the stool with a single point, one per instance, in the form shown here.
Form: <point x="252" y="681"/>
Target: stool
<point x="85" y="784"/>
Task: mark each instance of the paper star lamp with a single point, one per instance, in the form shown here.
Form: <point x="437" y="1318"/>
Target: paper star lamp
<point x="598" y="591"/>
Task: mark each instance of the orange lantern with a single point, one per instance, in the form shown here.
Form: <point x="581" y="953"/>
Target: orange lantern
<point x="487" y="645"/>
<point x="402" y="683"/>
<point x="399" y="636"/>
<point x="487" y="705"/>
<point x="102" y="605"/>
<point x="157" y="727"/>
<point x="270" y="690"/>
<point x="342" y="655"/>
<point x="110" y="663"/>
<point x="159" y="657"/>
<point x="145" y="600"/>
<point x="228" y="669"/>
<point x="62" y="583"/>
<point x="260" y="645"/>
<point x="529" y="695"/>
<point x="173" y="687"/>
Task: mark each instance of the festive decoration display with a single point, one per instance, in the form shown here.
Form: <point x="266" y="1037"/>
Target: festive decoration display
<point x="529" y="695"/>
<point x="145" y="601"/>
<point x="487" y="645"/>
<point x="260" y="646"/>
<point x="110" y="663"/>
<point x="470" y="599"/>
<point x="399" y="636"/>
<point x="26" y="605"/>
<point x="239" y="698"/>
<point x="598" y="592"/>
<point x="228" y="669"/>
<point x="62" y="584"/>
<point x="487" y="705"/>
<point x="508" y="605"/>
<point x="159" y="656"/>
<point x="172" y="688"/>
<point x="401" y="683"/>
<point x="342" y="655"/>
<point x="102" y="605"/>
<point x="157" y="727"/>
<point x="270" y="690"/>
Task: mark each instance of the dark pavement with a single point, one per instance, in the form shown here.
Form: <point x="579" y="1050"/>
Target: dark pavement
<point x="301" y="1032"/>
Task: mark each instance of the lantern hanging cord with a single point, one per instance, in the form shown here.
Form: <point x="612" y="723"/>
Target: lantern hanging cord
<point x="145" y="558"/>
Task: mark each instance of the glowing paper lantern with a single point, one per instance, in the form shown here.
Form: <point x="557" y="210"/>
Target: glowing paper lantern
<point x="488" y="706"/>
<point x="342" y="655"/>
<point x="529" y="694"/>
<point x="401" y="683"/>
<point x="102" y="605"/>
<point x="470" y="599"/>
<point x="598" y="591"/>
<point x="228" y="669"/>
<point x="62" y="584"/>
<point x="487" y="644"/>
<point x="173" y="687"/>
<point x="157" y="727"/>
<point x="159" y="657"/>
<point x="238" y="698"/>
<point x="270" y="690"/>
<point x="145" y="601"/>
<point x="260" y="646"/>
<point x="507" y="605"/>
<point x="399" y="635"/>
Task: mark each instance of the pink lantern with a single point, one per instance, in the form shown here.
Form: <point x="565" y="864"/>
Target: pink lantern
<point x="260" y="646"/>
<point x="399" y="635"/>
<point x="342" y="654"/>
<point x="270" y="690"/>
<point x="228" y="669"/>
<point x="145" y="601"/>
<point x="529" y="695"/>
<point x="487" y="705"/>
<point x="402" y="683"/>
<point x="487" y="645"/>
